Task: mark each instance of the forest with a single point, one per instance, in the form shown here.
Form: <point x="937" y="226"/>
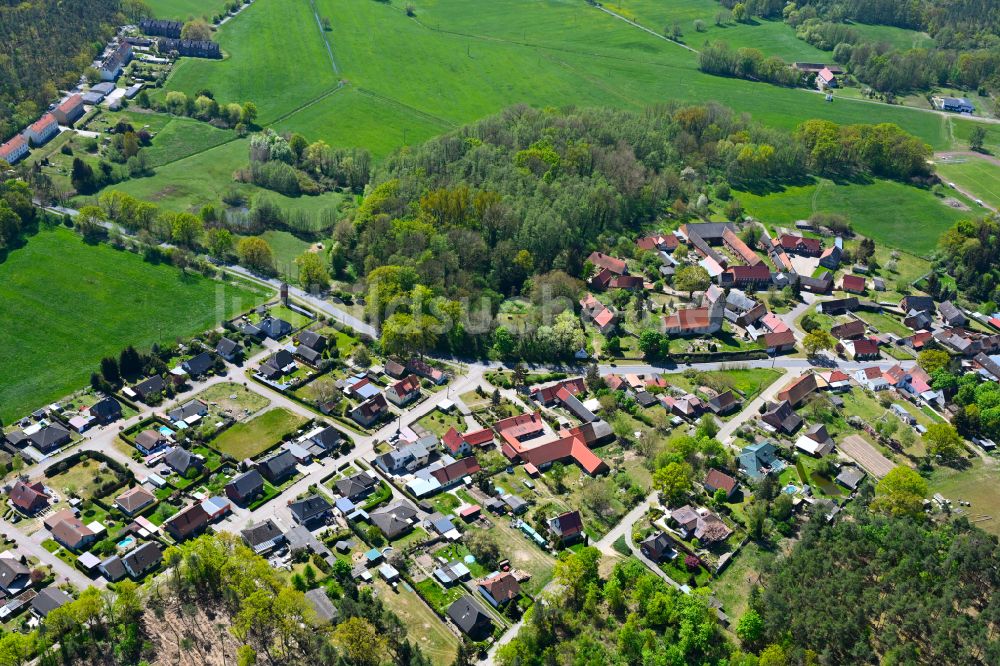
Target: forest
<point x="45" y="45"/>
<point x="885" y="589"/>
<point x="970" y="253"/>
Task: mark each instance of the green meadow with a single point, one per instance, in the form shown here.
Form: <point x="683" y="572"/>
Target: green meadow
<point x="975" y="175"/>
<point x="896" y="215"/>
<point x="65" y="305"/>
<point x="182" y="10"/>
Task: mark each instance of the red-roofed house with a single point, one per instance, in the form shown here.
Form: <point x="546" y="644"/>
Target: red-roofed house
<point x="800" y="245"/>
<point x="604" y="318"/>
<point x="854" y="284"/>
<point x="14" y="149"/>
<point x="773" y="323"/>
<point x="43" y="129"/>
<point x="716" y="480"/>
<point x="570" y="446"/>
<point x="782" y="341"/>
<point x="797" y="389"/>
<point x="630" y="282"/>
<point x="29" y="498"/>
<point x="695" y="321"/>
<point x="825" y="79"/>
<point x="663" y="242"/>
<point x="404" y="391"/>
<point x="567" y="526"/>
<point x="548" y="394"/>
<point x="499" y="588"/>
<point x="758" y="275"/>
<point x="455" y="443"/>
<point x="456" y="471"/>
<point x="613" y="264"/>
<point x="69" y="110"/>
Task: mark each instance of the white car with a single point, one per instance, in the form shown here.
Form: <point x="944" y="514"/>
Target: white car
<point x="952" y="186"/>
<point x="980" y="203"/>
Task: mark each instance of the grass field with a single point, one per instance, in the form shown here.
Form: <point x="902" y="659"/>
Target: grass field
<point x="65" y="305"/>
<point x="748" y="381"/>
<point x="977" y="485"/>
<point x="253" y="437"/>
<point x="891" y="213"/>
<point x="182" y="10"/>
<point x="899" y="38"/>
<point x="434" y="638"/>
<point x="977" y="176"/>
<point x="771" y="37"/>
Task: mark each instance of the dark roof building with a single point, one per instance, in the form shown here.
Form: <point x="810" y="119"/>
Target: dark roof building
<point x="278" y="468"/>
<point x="245" y="487"/>
<point x="567" y="526"/>
<point x="188" y="522"/>
<point x="470" y="618"/>
<point x="196" y="366"/>
<point x="142" y="560"/>
<point x="311" y="511"/>
<point x="48" y="600"/>
<point x="263" y="537"/>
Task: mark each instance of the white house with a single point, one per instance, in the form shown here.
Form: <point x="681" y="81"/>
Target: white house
<point x="14" y="149"/>
<point x="43" y="129"/>
<point x="872" y="378"/>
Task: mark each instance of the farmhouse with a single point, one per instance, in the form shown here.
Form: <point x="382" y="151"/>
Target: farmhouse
<point x="756" y="276"/>
<point x="779" y="342"/>
<point x="663" y="242"/>
<point x="849" y="331"/>
<point x="825" y="79"/>
<point x="955" y="104"/>
<point x="470" y="618"/>
<point x="716" y="480"/>
<point x="760" y="459"/>
<point x="810" y="247"/>
<point x="831" y="257"/>
<point x="854" y="284"/>
<point x="839" y="306"/>
<point x="43" y="129"/>
<point x="736" y="244"/>
<point x="797" y="390"/>
<point x="781" y="417"/>
<point x="14" y="149"/>
<point x="609" y="263"/>
<point x="150" y="441"/>
<point x="695" y="321"/>
<point x="951" y="314"/>
<point x="863" y="349"/>
<point x="143" y="559"/>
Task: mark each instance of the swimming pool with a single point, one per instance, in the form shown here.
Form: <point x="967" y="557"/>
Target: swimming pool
<point x="126" y="543"/>
<point x="790" y="489"/>
<point x="165" y="431"/>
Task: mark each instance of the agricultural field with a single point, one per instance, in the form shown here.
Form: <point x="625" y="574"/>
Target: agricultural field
<point x="897" y="215"/>
<point x="128" y="302"/>
<point x="253" y="437"/>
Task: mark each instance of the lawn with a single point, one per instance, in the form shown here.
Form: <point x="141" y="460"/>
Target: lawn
<point x="732" y="587"/>
<point x="897" y="215"/>
<point x="749" y="381"/>
<point x="86" y="301"/>
<point x="436" y="641"/>
<point x="253" y="437"/>
<point x="82" y="479"/>
<point x="885" y="323"/>
<point x="977" y="176"/>
<point x="523" y="554"/>
<point x="234" y="399"/>
<point x="286" y="248"/>
<point x="438" y="422"/>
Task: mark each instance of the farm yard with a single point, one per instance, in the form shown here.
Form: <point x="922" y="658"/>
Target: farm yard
<point x="44" y="285"/>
